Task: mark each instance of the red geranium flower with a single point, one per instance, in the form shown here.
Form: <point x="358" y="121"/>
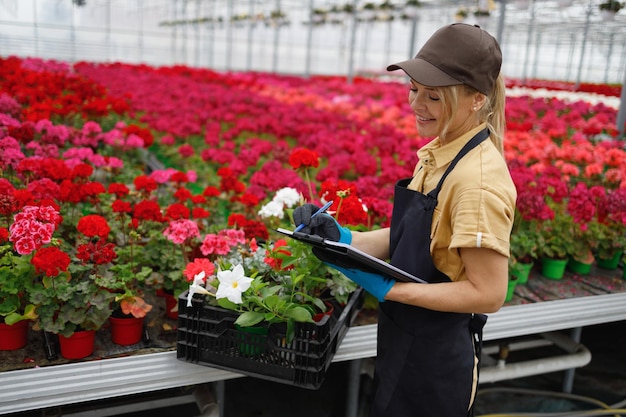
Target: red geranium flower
<point x="177" y="211"/>
<point x="198" y="265"/>
<point x="120" y="190"/>
<point x="145" y="183"/>
<point x="120" y="206"/>
<point x="93" y="225"/>
<point x="51" y="261"/>
<point x="303" y="158"/>
<point x="148" y="210"/>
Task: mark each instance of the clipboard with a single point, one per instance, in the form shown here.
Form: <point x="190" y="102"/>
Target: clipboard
<point x="348" y="256"/>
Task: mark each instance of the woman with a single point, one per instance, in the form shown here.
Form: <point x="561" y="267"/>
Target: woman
<point x="450" y="226"/>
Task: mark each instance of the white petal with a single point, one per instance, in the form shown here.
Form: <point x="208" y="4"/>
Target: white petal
<point x="199" y="278"/>
<point x="232" y="284"/>
<point x="196" y="289"/>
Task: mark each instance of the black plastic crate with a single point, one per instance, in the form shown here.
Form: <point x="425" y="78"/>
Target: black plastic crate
<point x="207" y="336"/>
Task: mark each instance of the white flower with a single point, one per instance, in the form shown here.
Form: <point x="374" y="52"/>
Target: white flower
<point x="232" y="284"/>
<point x="272" y="209"/>
<point x="197" y="288"/>
<point x="288" y="196"/>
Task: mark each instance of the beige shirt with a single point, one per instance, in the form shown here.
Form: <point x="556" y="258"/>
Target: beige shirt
<point x="475" y="205"/>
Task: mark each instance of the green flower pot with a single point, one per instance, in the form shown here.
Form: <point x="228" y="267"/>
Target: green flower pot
<point x="252" y="339"/>
<point x="610" y="264"/>
<point x="553" y="268"/>
<point x="522" y="272"/>
<point x="510" y="291"/>
<point x="578" y="267"/>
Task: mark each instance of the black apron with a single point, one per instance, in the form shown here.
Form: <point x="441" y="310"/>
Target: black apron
<point x="426" y="359"/>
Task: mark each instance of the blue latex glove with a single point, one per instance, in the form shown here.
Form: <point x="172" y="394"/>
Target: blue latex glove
<point x="375" y="284"/>
<point x="323" y="224"/>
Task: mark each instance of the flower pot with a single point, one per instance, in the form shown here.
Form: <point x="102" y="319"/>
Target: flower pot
<point x="553" y="268"/>
<point x="126" y="330"/>
<point x="610" y="264"/>
<point x="522" y="272"/>
<point x="580" y="268"/>
<point x="329" y="312"/>
<point x="79" y="345"/>
<point x="253" y="339"/>
<point x="171" y="304"/>
<point x="510" y="291"/>
<point x="13" y="336"/>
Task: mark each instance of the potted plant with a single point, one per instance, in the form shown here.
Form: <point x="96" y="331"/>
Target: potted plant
<point x="386" y="9"/>
<point x="609" y="9"/>
<point x="70" y="304"/>
<point x="531" y="211"/>
<point x="126" y="279"/>
<point x="613" y="6"/>
<point x="411" y="9"/>
<point x="319" y="15"/>
<point x="275" y="283"/>
<point x="368" y="12"/>
<point x="65" y="288"/>
<point x="482" y="16"/>
<point x="15" y="309"/>
<point x="557" y="226"/>
<point x="348" y="8"/>
<point x="525" y="242"/>
<point x="609" y="228"/>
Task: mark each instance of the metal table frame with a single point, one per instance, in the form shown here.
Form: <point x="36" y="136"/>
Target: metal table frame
<point x="50" y="386"/>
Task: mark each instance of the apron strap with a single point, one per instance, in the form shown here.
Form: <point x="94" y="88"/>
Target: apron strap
<point x="475" y="141"/>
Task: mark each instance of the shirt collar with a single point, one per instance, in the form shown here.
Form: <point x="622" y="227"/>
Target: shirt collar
<point x="435" y="155"/>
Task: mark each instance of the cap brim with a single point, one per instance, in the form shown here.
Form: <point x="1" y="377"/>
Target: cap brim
<point x="424" y="73"/>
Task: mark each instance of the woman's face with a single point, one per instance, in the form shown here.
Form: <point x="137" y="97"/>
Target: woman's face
<point x="431" y="116"/>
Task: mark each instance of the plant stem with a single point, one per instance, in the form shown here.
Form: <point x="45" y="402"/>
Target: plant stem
<point x="308" y="183"/>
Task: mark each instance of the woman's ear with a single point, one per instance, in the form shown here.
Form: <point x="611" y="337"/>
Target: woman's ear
<point x="479" y="101"/>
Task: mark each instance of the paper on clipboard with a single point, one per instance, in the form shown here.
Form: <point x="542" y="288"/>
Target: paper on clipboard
<point x="347" y="256"/>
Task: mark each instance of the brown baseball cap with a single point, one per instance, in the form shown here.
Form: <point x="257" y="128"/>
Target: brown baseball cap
<point x="456" y="54"/>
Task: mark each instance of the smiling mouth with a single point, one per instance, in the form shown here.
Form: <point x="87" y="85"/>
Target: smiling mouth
<point x="423" y="119"/>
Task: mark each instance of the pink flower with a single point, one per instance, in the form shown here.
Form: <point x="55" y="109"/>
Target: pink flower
<point x="33" y="227"/>
<point x="214" y="245"/>
<point x="180" y="231"/>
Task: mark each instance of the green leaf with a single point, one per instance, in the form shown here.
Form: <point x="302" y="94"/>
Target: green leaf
<point x="299" y="314"/>
<point x="291" y="330"/>
<point x="227" y="304"/>
<point x="272" y="302"/>
<point x="268" y="291"/>
<point x="13" y="318"/>
<point x="249" y="318"/>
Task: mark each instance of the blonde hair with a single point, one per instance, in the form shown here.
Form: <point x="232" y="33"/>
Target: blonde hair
<point x="491" y="113"/>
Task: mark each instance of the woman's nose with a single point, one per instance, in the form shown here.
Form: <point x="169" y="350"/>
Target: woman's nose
<point x="416" y="100"/>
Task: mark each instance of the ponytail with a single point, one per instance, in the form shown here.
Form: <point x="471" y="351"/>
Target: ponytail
<point x="493" y="114"/>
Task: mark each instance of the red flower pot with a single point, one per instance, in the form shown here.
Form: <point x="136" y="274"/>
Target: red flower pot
<point x="14" y="336"/>
<point x="127" y="330"/>
<point x="329" y="312"/>
<point x="79" y="345"/>
<point x="171" y="304"/>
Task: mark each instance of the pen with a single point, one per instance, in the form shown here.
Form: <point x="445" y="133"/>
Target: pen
<point x="321" y="210"/>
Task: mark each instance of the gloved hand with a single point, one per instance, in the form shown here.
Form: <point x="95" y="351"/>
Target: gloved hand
<point x="375" y="284"/>
<point x="323" y="224"/>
